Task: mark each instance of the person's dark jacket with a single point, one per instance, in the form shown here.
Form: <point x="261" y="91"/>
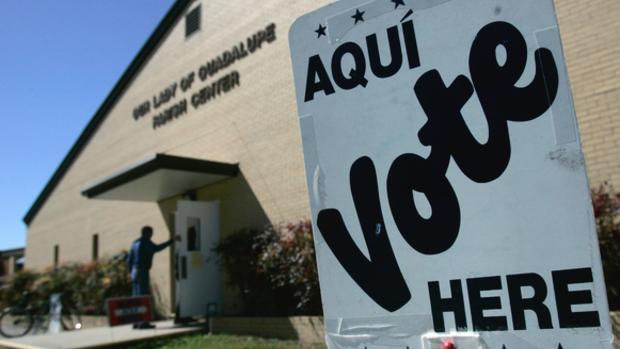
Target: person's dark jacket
<point x="141" y="253"/>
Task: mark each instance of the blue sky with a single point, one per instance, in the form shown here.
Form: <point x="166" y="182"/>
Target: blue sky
<point x="58" y="61"/>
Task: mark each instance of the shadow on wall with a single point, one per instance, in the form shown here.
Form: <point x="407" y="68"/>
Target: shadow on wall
<point x="159" y="308"/>
<point x="239" y="206"/>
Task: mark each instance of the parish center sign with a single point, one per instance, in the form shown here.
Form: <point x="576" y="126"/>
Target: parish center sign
<point x="448" y="189"/>
<point x="170" y="103"/>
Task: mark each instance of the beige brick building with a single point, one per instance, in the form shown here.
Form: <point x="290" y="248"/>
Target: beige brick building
<point x="236" y="123"/>
<point x="590" y="35"/>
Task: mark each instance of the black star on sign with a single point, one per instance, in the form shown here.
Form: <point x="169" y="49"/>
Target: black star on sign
<point x="358" y="16"/>
<point x="321" y="31"/>
<point x="398" y="3"/>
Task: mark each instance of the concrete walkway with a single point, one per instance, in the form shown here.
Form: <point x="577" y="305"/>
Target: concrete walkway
<point x="97" y="337"/>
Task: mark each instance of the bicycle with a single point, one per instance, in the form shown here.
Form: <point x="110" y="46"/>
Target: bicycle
<point x="19" y="320"/>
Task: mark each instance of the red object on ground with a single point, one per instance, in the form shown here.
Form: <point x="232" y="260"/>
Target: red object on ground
<point x="129" y="310"/>
<point x="448" y="345"/>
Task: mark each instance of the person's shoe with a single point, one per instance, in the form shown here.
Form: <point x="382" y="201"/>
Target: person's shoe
<point x="146" y="326"/>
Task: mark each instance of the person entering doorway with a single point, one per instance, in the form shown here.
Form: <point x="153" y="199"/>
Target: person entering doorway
<point x="140" y="260"/>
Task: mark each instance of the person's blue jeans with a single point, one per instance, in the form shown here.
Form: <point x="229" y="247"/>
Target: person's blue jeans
<point x="140" y="282"/>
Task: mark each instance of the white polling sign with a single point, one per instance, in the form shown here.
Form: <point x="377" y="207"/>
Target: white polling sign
<point x="447" y="183"/>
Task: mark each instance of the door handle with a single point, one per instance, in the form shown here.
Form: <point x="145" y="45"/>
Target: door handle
<point x="176" y="266"/>
<point x="183" y="267"/>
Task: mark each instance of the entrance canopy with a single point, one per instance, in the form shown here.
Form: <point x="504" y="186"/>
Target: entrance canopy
<point x="159" y="178"/>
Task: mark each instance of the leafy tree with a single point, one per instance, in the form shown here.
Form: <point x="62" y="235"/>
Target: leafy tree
<point x="606" y="203"/>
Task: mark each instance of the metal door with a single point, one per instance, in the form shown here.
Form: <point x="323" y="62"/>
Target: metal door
<point x="197" y="272"/>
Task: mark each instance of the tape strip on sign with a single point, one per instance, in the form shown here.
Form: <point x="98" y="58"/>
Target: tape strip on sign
<point x="312" y="161"/>
<point x="563" y="113"/>
<point x="384" y="331"/>
<point x="511" y="341"/>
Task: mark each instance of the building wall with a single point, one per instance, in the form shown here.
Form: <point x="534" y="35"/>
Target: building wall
<point x="256" y="126"/>
<point x="591" y="35"/>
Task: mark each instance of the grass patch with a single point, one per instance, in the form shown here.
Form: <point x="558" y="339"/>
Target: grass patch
<point x="196" y="341"/>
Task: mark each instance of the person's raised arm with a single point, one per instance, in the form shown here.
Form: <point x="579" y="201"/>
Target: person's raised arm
<point x="159" y="247"/>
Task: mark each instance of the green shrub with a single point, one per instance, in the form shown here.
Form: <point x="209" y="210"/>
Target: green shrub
<point x="274" y="269"/>
<point x="86" y="285"/>
<point x="12" y="291"/>
<point x="240" y="258"/>
<point x="606" y="203"/>
<point x="288" y="260"/>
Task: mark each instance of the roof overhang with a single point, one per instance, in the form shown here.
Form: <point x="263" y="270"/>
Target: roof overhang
<point x="13" y="252"/>
<point x="160" y="177"/>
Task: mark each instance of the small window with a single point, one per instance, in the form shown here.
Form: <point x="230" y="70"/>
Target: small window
<point x="193" y="234"/>
<point x="95" y="247"/>
<point x="56" y="255"/>
<point x="192" y="21"/>
<point x="19" y="264"/>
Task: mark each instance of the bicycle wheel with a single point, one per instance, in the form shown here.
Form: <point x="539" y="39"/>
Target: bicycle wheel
<point x="70" y="319"/>
<point x="15" y="322"/>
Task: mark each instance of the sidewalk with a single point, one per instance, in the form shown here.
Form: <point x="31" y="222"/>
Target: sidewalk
<point x="97" y="337"/>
